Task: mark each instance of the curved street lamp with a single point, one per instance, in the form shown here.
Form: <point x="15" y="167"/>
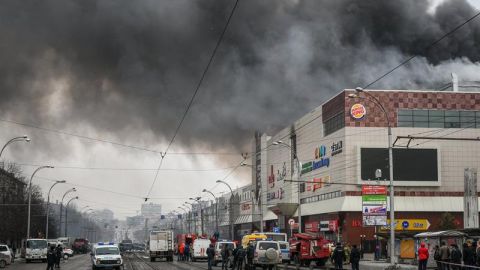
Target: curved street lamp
<point x="30" y="196"/>
<point x="61" y="206"/>
<point x="232" y="233"/>
<point x="66" y="214"/>
<point x="16" y="139"/>
<point x="216" y="208"/>
<point x="379" y="104"/>
<point x="48" y="204"/>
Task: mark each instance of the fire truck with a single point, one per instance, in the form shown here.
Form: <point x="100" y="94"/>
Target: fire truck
<point x="309" y="247"/>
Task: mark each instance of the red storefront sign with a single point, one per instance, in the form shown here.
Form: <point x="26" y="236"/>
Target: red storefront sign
<point x="374" y="190"/>
<point x="312" y="226"/>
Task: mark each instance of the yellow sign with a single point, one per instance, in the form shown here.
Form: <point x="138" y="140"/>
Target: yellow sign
<point x="408" y="225"/>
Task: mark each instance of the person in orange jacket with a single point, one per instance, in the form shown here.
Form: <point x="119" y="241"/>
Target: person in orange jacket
<point x="181" y="249"/>
<point x="422" y="257"/>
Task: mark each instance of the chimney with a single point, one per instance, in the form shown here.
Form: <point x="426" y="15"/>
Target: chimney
<point x="454" y="82"/>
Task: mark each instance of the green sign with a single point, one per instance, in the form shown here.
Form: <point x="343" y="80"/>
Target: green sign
<point x="374" y="198"/>
<point x="307" y="167"/>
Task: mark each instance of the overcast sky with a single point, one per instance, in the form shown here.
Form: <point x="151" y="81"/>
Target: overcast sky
<point x="123" y="71"/>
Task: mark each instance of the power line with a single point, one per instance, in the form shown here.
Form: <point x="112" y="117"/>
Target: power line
<point x="128" y="169"/>
<point x="190" y="103"/>
<point x="425" y="49"/>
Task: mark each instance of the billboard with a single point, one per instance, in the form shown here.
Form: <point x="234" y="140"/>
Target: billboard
<point x="374" y="205"/>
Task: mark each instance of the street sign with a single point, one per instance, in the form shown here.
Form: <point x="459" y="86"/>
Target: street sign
<point x="276" y="229"/>
<point x="374" y="205"/>
<point x="291" y="221"/>
<point x="408" y="225"/>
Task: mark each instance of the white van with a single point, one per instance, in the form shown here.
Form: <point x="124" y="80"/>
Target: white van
<point x="36" y="249"/>
<point x="199" y="249"/>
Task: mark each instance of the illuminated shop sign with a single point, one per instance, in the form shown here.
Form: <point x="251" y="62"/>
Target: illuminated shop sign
<point x="271" y="178"/>
<point x="321" y="160"/>
<point x="358" y="111"/>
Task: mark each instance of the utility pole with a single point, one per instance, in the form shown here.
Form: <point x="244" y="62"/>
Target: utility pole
<point x="470" y="199"/>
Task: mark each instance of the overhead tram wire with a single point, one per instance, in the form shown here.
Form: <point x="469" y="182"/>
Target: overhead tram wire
<point x="129" y="169"/>
<point x="192" y="99"/>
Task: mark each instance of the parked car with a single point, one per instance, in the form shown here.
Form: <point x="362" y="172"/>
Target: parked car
<point x="4" y="249"/>
<point x="4" y="259"/>
<point x="267" y="254"/>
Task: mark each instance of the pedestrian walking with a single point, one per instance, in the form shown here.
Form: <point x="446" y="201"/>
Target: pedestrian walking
<point x="58" y="255"/>
<point x="456" y="257"/>
<point x="235" y="257"/>
<point x="436" y="256"/>
<point x="186" y="253"/>
<point x="444" y="256"/>
<point x="51" y="258"/>
<point x="355" y="258"/>
<point x="210" y="256"/>
<point x="224" y="254"/>
<point x="422" y="257"/>
<point x="477" y="254"/>
<point x="240" y="257"/>
<point x="338" y="256"/>
<point x="250" y="255"/>
<point x="181" y="252"/>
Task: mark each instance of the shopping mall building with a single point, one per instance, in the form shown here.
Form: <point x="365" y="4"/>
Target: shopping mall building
<point x="342" y="145"/>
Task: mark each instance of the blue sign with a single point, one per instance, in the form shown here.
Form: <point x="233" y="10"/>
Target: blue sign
<point x="405" y="224"/>
<point x="276" y="229"/>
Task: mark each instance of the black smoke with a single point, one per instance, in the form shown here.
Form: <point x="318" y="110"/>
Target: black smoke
<point x="124" y="67"/>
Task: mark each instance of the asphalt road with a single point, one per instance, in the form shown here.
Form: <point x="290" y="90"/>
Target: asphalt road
<point x="131" y="262"/>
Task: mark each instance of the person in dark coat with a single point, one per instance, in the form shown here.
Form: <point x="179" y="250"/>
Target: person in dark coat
<point x="51" y="258"/>
<point x="224" y="253"/>
<point x="338" y="256"/>
<point x="186" y="252"/>
<point x="250" y="255"/>
<point x="58" y="256"/>
<point x="355" y="257"/>
<point x="456" y="257"/>
<point x="240" y="257"/>
<point x="235" y="257"/>
<point x="210" y="256"/>
<point x="468" y="254"/>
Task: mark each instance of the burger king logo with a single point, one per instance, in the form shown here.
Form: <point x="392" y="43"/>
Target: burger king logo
<point x="358" y="111"/>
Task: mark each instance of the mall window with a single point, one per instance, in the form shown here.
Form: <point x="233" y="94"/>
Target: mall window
<point x="333" y="124"/>
<point x="322" y="197"/>
<point x="438" y="119"/>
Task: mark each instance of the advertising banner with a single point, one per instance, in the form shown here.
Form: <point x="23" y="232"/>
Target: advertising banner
<point x="374" y="205"/>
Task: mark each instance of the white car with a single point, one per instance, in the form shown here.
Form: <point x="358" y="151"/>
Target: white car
<point x="67" y="253"/>
<point x="4" y="249"/>
<point x="267" y="254"/>
<point x="106" y="256"/>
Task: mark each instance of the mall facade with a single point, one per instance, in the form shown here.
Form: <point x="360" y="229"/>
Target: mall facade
<point x="342" y="145"/>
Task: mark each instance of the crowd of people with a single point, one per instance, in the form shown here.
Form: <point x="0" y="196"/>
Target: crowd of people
<point x="451" y="257"/>
<point x="183" y="254"/>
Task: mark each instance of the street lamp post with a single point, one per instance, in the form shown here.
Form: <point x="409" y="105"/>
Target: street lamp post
<point x="16" y="139"/>
<point x="216" y="208"/>
<point x="299" y="166"/>
<point x="61" y="207"/>
<point x="186" y="216"/>
<point x="48" y="204"/>
<point x="230" y="207"/>
<point x="194" y="219"/>
<point x="66" y="214"/>
<point x="30" y="196"/>
<point x="197" y="200"/>
<point x="377" y="102"/>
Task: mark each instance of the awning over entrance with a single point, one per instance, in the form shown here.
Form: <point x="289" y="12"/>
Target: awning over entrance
<point x="243" y="219"/>
<point x="284" y="209"/>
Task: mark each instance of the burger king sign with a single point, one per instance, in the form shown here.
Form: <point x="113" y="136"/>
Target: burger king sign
<point x="358" y="111"/>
